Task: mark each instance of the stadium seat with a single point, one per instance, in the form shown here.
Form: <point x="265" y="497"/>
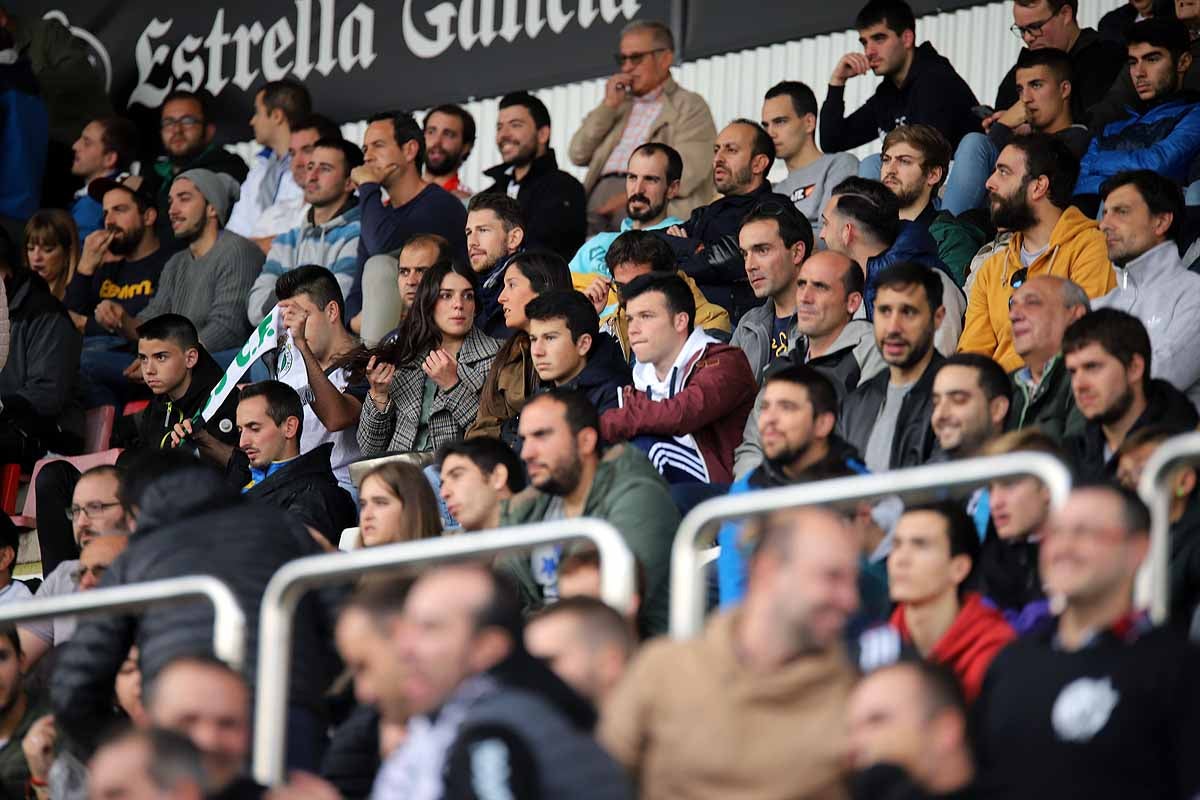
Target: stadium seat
<point x="10" y="486"/>
<point x="28" y="516"/>
<point x="360" y="468"/>
<point x="350" y="540"/>
<point x="134" y="406"/>
<point x="98" y="428"/>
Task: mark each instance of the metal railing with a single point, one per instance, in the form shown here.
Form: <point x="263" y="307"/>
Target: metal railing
<point x="229" y="621"/>
<point x="288" y="585"/>
<point x="1151" y="589"/>
<point x="687" y="589"/>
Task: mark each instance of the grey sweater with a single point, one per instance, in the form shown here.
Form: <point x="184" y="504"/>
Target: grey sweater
<point x="210" y="291"/>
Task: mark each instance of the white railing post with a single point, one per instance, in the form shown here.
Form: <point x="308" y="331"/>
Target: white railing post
<point x="1151" y="589"/>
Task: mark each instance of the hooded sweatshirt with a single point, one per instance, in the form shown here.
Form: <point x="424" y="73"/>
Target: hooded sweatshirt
<point x="709" y="316"/>
<point x="604" y="374"/>
<point x="1076" y="251"/>
<point x="968" y="646"/>
<point x="1159" y="290"/>
<point x="156" y="422"/>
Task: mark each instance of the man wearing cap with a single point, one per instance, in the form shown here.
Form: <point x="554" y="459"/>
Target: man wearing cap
<point x="120" y="265"/>
<point x="209" y="280"/>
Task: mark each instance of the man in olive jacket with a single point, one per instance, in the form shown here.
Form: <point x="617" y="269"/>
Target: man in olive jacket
<point x="570" y="476"/>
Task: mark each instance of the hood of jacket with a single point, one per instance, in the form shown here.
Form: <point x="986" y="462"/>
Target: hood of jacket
<point x="605" y="365"/>
<point x="913" y="243"/>
<point x="347" y="214"/>
<point x="181" y="494"/>
<point x="977" y="629"/>
<point x="926" y="59"/>
<point x="644" y="375"/>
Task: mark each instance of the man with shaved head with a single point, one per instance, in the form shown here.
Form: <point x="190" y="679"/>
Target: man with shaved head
<point x="775" y="666"/>
<point x="1040" y="311"/>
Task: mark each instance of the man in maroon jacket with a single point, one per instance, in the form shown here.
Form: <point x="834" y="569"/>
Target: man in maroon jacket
<point x="691" y="394"/>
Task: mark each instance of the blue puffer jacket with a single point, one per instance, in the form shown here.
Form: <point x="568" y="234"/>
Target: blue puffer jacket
<point x="915" y="244"/>
<point x="1164" y="138"/>
<point x="24" y="127"/>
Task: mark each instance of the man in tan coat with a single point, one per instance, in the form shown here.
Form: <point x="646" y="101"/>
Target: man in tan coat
<point x="756" y="706"/>
<point x="642" y="103"/>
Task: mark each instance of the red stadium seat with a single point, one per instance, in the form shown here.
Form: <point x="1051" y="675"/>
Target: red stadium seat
<point x="28" y="516"/>
<point x="98" y="428"/>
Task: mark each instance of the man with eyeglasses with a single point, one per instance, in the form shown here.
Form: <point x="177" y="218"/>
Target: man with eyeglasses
<point x="1029" y="194"/>
<point x="642" y="103"/>
<point x="187" y="137"/>
<point x="1098" y="702"/>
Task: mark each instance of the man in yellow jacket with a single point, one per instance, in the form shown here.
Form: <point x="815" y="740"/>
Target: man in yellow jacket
<point x="1030" y="194"/>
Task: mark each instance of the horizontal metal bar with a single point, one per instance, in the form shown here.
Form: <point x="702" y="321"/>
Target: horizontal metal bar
<point x="1151" y="589"/>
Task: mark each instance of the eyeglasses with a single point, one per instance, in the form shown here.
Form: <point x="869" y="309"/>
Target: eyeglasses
<point x="182" y="122"/>
<point x="1018" y="278"/>
<point x="92" y="509"/>
<point x="1033" y="30"/>
<point x="96" y="572"/>
<point x="635" y="58"/>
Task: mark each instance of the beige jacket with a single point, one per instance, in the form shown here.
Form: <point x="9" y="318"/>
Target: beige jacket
<point x="684" y="123"/>
<point x="689" y="721"/>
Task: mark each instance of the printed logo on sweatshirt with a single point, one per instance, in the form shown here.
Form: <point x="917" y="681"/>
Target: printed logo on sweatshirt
<point x="803" y="193"/>
<point x="115" y="291"/>
<point x="1083" y="708"/>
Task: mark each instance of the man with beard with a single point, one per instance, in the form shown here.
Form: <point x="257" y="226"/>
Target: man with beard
<point x="120" y="266"/>
<point x="449" y="140"/>
<point x="651" y="183"/>
<point x="1030" y="194"/>
<point x="496" y="229"/>
<point x="570" y="476"/>
<point x="887" y="418"/>
<point x="552" y="201"/>
<point x="971" y="396"/>
<point x="1108" y="356"/>
<point x="208" y="281"/>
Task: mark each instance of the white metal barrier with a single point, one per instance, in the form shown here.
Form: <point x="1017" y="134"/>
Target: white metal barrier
<point x="687" y="586"/>
<point x="288" y="585"/>
<point x="1152" y="585"/>
<point x="229" y="622"/>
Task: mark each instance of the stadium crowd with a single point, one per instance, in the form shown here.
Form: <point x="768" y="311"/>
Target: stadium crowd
<point x="1011" y="279"/>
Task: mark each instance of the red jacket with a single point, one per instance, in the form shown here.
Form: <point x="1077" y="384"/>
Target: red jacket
<point x="977" y="634"/>
<point x="713" y="405"/>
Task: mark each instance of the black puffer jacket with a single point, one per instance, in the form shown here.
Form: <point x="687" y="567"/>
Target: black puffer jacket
<point x="191" y="523"/>
<point x="913" y="443"/>
<point x="160" y="417"/>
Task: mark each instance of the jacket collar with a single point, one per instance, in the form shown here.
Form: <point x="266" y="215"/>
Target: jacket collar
<point x="645" y="377"/>
<point x="476" y="347"/>
<point x="627" y="224"/>
<point x="1155" y="265"/>
<point x="314" y="462"/>
<point x="337" y="219"/>
<point x="539" y="167"/>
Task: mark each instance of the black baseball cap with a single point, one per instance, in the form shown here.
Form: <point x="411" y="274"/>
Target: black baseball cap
<point x="134" y="184"/>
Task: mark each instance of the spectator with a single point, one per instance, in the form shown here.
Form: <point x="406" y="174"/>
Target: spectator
<point x="449" y="139"/>
<point x="935" y="553"/>
<point x="971" y="397"/>
<point x="1095" y="62"/>
<point x="828" y="293"/>
<point x="915" y="162"/>
<point x="568" y="350"/>
<point x="652" y="183"/>
<point x="1183" y="570"/>
<point x="278" y="105"/>
<point x="919" y="85"/>
<point x="51" y="244"/>
<point x="512" y="379"/>
<point x="775" y="665"/>
<point x="585" y="642"/>
<point x="495" y="232"/>
<point x="909" y="734"/>
<point x="579" y="576"/>
<point x="1163" y="133"/>
<point x="181" y="374"/>
<point x="1008" y="571"/>
<point x="329" y="233"/>
<point x="394" y="155"/>
<point x="1045" y="83"/>
<point x="22" y="709"/>
<point x="797" y="413"/>
<point x="397" y="505"/>
<point x="153" y="763"/>
<point x="187" y="138"/>
<point x="570" y="476"/>
<point x="637" y="253"/>
<point x="189" y="521"/>
<point x="887" y="417"/>
<point x="421" y="252"/>
<point x="39" y="385"/>
<point x="691" y="394"/>
<point x="24" y="142"/>
<point x="789" y="117"/>
<point x="642" y="103"/>
<point x="203" y="699"/>
<point x="1142" y="224"/>
<point x="709" y="250"/>
<point x="1040" y="311"/>
<point x="288" y="211"/>
<point x="552" y="201"/>
<point x="1108" y="356"/>
<point x="1188" y="12"/>
<point x="1113" y="24"/>
<point x="121" y="264"/>
<point x="477" y="475"/>
<point x="1030" y="195"/>
<point x="1099" y="680"/>
<point x="269" y="468"/>
<point x="11" y="590"/>
<point x="107" y="146"/>
<point x="774" y="239"/>
<point x="425" y="384"/>
<point x="862" y="221"/>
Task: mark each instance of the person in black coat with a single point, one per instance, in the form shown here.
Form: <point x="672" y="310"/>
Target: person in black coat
<point x="568" y="349"/>
<point x="553" y="201"/>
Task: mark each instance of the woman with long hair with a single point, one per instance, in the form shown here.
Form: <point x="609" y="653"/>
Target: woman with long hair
<point x="512" y="380"/>
<point x="426" y="379"/>
<point x="396" y="504"/>
<point x="52" y="248"/>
